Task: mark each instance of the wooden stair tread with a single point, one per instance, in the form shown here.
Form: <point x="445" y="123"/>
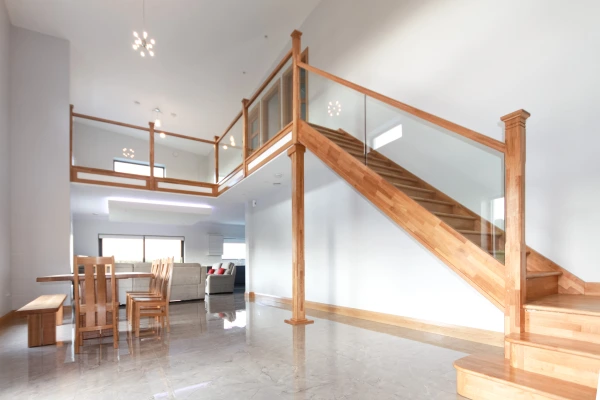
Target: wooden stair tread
<point x="533" y="275"/>
<point x="447" y="203"/>
<point x="418" y="189"/>
<point x="497" y="368"/>
<point x="585" y="349"/>
<point x="441" y="214"/>
<point x="567" y="303"/>
<point x="471" y="232"/>
<point x="397" y="175"/>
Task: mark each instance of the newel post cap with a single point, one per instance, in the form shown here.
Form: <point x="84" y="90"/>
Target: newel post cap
<point x="296" y="34"/>
<point x="519" y="114"/>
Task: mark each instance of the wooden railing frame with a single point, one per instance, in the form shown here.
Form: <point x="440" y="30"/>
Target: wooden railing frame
<point x="515" y="249"/>
<point x="451" y="126"/>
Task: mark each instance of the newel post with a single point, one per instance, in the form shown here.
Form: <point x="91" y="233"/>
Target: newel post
<point x="245" y="135"/>
<point x="296" y="56"/>
<point x="151" y="131"/>
<point x="296" y="154"/>
<point x="516" y="257"/>
<point x="216" y="160"/>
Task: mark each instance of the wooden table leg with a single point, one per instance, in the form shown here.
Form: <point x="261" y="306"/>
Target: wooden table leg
<point x="59" y="316"/>
<point x="41" y="329"/>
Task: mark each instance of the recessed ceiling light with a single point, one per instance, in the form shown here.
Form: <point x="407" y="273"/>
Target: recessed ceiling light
<point x="95" y="214"/>
<point x="162" y="135"/>
<point x="136" y="102"/>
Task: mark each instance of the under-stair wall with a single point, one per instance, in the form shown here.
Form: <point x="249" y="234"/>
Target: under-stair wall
<point x="357" y="257"/>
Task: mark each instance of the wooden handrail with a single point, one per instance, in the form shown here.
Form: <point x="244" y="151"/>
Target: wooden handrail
<point x="141" y="128"/>
<point x="451" y="126"/>
<point x="185" y="136"/>
<point x="278" y="68"/>
<point x="108" y="121"/>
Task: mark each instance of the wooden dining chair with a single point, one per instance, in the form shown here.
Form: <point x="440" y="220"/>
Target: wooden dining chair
<point x="153" y="285"/>
<point x="156" y="306"/>
<point x="96" y="305"/>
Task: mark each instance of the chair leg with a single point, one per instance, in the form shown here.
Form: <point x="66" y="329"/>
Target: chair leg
<point x="137" y="319"/>
<point x="167" y="317"/>
<point x="116" y="327"/>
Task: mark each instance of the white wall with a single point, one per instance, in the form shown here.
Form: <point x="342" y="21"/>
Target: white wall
<point x="39" y="163"/>
<point x="97" y="147"/>
<point x="5" y="303"/>
<point x="472" y="62"/>
<point x="357" y="257"/>
<point x="86" y="231"/>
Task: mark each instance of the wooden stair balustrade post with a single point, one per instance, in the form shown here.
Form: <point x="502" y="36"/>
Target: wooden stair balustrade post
<point x="296" y="154"/>
<point x="152" y="182"/>
<point x="216" y="161"/>
<point x="296" y="59"/>
<point x="245" y="135"/>
<point x="516" y="258"/>
<point x="71" y="121"/>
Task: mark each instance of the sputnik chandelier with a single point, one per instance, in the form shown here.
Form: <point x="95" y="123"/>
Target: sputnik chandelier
<point x="143" y="43"/>
<point x="334" y="109"/>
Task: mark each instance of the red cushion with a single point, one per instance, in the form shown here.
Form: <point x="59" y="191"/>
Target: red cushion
<point x="221" y="271"/>
<point x="211" y="271"/>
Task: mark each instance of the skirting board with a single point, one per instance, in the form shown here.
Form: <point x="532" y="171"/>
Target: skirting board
<point x="459" y="332"/>
<point x="5" y="319"/>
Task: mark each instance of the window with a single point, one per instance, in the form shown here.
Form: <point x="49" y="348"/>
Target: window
<point x="129" y="249"/>
<point x="234" y="251"/>
<point x="138" y="168"/>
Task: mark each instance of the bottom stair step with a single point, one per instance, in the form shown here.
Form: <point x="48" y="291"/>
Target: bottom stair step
<point x="492" y="377"/>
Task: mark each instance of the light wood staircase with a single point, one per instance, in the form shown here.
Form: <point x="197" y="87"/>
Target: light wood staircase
<point x="558" y="354"/>
<point x="557" y="357"/>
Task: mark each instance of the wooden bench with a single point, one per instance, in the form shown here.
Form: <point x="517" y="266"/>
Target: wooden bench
<point x="43" y="314"/>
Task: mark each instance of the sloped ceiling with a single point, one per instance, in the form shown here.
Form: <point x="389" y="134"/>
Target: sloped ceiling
<point x="209" y="55"/>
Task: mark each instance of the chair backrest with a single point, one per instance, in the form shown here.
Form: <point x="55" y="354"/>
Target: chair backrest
<point x="92" y="289"/>
<point x="169" y="262"/>
<point x="153" y="285"/>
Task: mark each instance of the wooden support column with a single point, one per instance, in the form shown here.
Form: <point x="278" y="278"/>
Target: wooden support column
<point x="516" y="260"/>
<point x="216" y="160"/>
<point x="245" y="134"/>
<point x="152" y="183"/>
<point x="296" y="153"/>
<point x="71" y="135"/>
<point x="296" y="58"/>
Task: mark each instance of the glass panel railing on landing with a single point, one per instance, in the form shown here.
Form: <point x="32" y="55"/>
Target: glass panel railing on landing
<point x="455" y="178"/>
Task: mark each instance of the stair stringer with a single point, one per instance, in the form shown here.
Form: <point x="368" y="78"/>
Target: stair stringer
<point x="474" y="265"/>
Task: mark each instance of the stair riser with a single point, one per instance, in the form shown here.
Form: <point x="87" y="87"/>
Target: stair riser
<point x="484" y="241"/>
<point x="568" y="367"/>
<point x="436" y="207"/>
<point x="541" y="287"/>
<point x="476" y="387"/>
<point x="417" y="193"/>
<point x="585" y="328"/>
<point x="459" y="223"/>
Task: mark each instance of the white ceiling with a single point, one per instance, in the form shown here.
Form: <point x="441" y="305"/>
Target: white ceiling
<point x="202" y="49"/>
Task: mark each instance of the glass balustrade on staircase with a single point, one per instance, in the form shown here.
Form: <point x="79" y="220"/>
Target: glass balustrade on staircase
<point x="459" y="180"/>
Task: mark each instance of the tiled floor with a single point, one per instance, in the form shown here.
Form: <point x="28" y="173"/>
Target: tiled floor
<point x="228" y="349"/>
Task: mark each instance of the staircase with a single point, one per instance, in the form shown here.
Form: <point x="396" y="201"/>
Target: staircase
<point x="557" y="357"/>
<point x="558" y="354"/>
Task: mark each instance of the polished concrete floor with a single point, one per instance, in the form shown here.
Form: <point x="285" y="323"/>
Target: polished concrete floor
<point x="225" y="348"/>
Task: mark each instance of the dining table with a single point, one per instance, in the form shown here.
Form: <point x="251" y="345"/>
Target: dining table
<point x="71" y="278"/>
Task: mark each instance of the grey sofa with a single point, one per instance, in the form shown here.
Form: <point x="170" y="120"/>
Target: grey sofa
<point x="189" y="280"/>
<point x="221" y="283"/>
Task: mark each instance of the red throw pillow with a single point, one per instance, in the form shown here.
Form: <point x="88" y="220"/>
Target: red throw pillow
<point x="221" y="271"/>
<point x="211" y="271"/>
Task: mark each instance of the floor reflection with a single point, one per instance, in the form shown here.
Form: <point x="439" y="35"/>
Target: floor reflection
<point x="225" y="348"/>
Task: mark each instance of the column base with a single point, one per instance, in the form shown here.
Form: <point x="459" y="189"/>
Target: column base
<point x="299" y="321"/>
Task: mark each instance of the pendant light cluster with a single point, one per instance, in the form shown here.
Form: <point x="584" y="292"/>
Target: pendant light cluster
<point x="142" y="43"/>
